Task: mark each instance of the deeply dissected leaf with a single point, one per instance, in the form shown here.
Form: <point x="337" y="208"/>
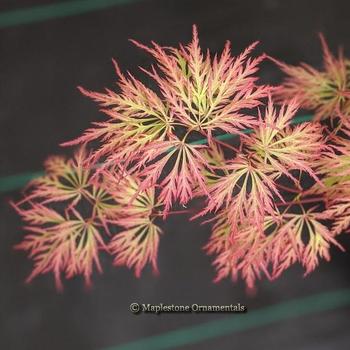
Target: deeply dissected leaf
<point x="326" y="92"/>
<point x="162" y="146"/>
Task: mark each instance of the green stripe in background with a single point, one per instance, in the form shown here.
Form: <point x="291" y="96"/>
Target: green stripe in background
<point x="14" y="182"/>
<point x="59" y="10"/>
<point x="178" y="338"/>
<point x="55" y="10"/>
<point x="297" y="120"/>
<point x="241" y="322"/>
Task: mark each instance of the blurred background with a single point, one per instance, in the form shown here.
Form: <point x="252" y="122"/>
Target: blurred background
<point x="47" y="49"/>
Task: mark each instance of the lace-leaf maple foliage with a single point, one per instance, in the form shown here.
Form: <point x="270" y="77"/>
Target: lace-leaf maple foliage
<point x="265" y="194"/>
<point x="198" y="96"/>
<point x="326" y="92"/>
<point x="69" y="213"/>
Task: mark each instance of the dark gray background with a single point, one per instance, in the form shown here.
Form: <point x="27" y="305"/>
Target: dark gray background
<point x="40" y="66"/>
